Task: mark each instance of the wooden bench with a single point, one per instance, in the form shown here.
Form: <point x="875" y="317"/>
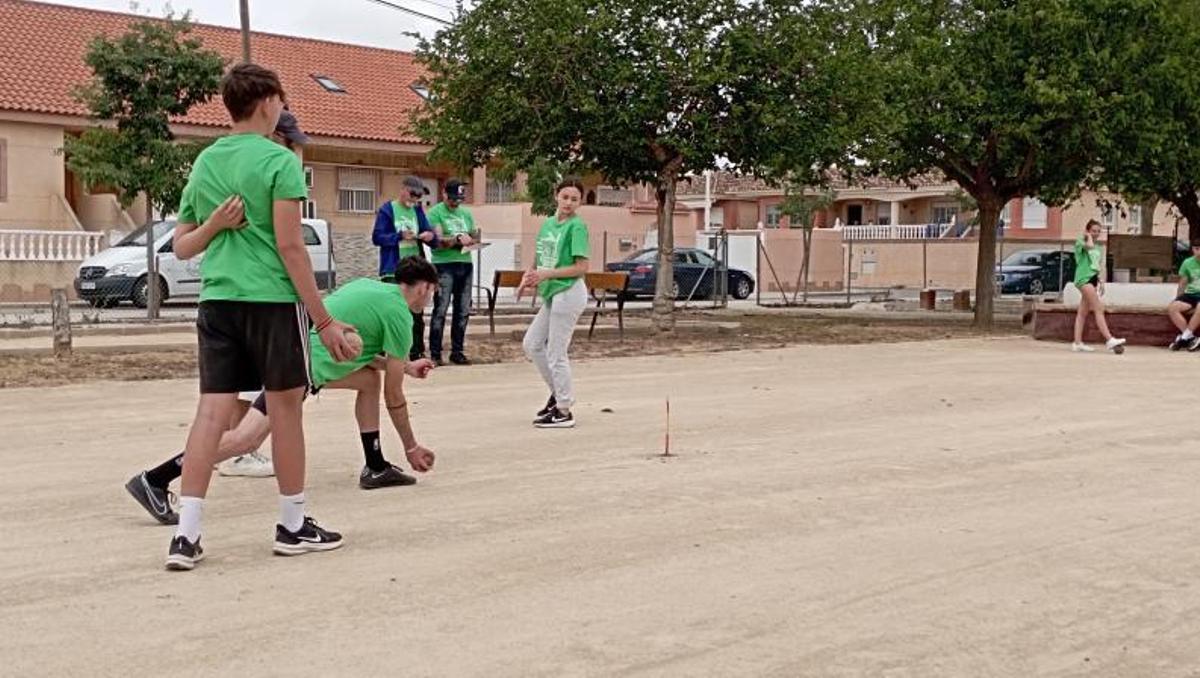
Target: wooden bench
<point x="601" y="286"/>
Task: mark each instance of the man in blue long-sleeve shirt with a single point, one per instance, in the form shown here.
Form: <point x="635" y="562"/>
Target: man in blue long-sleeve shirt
<point x="400" y="230"/>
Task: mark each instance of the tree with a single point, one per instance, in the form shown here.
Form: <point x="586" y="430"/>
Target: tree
<point x="635" y="90"/>
<point x="142" y="79"/>
<point x="1001" y="96"/>
<point x="801" y="205"/>
<point x="1150" y="151"/>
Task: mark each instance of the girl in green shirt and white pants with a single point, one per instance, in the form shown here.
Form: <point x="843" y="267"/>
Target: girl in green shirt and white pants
<point x="557" y="275"/>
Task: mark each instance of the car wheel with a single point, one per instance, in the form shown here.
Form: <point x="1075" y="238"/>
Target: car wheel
<point x="742" y="288"/>
<point x="140" y="295"/>
<point x="1037" y="288"/>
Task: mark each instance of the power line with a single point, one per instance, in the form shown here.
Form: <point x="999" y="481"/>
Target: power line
<point x="435" y="3"/>
<point x="413" y="12"/>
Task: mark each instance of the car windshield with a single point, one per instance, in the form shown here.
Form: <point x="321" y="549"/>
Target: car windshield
<point x="1024" y="259"/>
<point x="704" y="258"/>
<point x="138" y="237"/>
<point x="644" y="257"/>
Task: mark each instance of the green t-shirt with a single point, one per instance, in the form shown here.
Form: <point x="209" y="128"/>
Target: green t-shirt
<point x="379" y="313"/>
<point x="559" y="245"/>
<point x="405" y="219"/>
<point x="1087" y="262"/>
<point x="243" y="264"/>
<point x="452" y="222"/>
<point x="1190" y="271"/>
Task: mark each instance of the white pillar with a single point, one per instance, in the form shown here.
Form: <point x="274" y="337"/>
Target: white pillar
<point x="895" y="216"/>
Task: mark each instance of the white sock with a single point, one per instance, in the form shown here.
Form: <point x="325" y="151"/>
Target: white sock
<point x="1187" y="334"/>
<point x="291" y="511"/>
<point x="190" y="509"/>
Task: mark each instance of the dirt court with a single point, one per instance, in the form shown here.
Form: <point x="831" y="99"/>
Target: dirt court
<point x="974" y="507"/>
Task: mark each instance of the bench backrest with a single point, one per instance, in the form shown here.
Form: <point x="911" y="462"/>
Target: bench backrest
<point x="507" y="279"/>
<point x="615" y="282"/>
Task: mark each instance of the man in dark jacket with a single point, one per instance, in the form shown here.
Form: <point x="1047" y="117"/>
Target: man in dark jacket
<point x="400" y="231"/>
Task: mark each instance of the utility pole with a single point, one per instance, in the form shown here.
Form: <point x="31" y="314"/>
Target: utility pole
<point x="245" y="7"/>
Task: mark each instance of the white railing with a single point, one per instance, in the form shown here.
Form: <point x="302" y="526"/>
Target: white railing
<point x="49" y="245"/>
<point x="897" y="232"/>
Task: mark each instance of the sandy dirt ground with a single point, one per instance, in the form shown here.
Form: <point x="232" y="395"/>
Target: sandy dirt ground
<point x="957" y="508"/>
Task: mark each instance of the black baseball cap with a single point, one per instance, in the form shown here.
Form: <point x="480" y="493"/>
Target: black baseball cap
<point x="456" y="189"/>
<point x="289" y="128"/>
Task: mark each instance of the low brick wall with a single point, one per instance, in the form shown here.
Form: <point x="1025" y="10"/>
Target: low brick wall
<point x="31" y="281"/>
<point x="1139" y="326"/>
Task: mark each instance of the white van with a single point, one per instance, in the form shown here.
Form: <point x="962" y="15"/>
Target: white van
<point x="119" y="273"/>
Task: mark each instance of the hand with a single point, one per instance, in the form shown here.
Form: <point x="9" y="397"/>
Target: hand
<point x="465" y="240"/>
<point x="419" y="369"/>
<point x="334" y="339"/>
<point x="229" y="214"/>
<point x="420" y="458"/>
<point x="406" y="234"/>
<point x="532" y="278"/>
<point x="425" y="236"/>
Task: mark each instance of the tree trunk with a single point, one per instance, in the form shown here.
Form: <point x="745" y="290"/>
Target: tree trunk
<point x="985" y="273"/>
<point x="1148" y="206"/>
<point x="664" y="301"/>
<point x="152" y="300"/>
<point x="1189" y="207"/>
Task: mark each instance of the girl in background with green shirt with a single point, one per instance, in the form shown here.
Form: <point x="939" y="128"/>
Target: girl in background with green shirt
<point x="1089" y="268"/>
<point x="557" y="275"/>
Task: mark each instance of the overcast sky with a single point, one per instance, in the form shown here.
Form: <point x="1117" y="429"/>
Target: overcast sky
<point x="361" y="22"/>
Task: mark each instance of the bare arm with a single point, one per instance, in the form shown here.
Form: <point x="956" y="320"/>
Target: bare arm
<point x="189" y="240"/>
<point x="290" y="242"/>
<point x="395" y="402"/>
<point x="580" y="267"/>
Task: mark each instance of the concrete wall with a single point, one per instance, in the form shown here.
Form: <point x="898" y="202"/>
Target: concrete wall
<point x="914" y="264"/>
<point x="782" y="255"/>
<point x="31" y="281"/>
<point x="35" y="178"/>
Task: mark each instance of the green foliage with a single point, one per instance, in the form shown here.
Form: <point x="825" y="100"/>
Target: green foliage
<point x="800" y="204"/>
<point x="142" y="79"/>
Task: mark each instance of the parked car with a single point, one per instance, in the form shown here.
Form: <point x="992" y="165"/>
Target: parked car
<point x="1035" y="272"/>
<point x="119" y="273"/>
<point x="695" y="269"/>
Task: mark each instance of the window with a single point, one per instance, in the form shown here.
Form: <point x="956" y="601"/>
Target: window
<point x="310" y="235"/>
<point x="774" y="216"/>
<point x="421" y="90"/>
<point x="308" y="177"/>
<point x="1108" y="217"/>
<point x="3" y="170"/>
<point x="329" y="84"/>
<point x="613" y="197"/>
<point x="357" y="189"/>
<point x="1135" y="219"/>
<point x="945" y="213"/>
<point x="1033" y="213"/>
<point x="499" y="191"/>
<point x="883" y="214"/>
<point x="1006" y="214"/>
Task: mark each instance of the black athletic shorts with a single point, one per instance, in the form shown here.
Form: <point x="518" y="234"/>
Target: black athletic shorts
<point x="1192" y="300"/>
<point x="245" y="346"/>
<point x="1094" y="281"/>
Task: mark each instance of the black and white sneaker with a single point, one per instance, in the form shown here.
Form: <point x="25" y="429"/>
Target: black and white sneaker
<point x="550" y="407"/>
<point x="183" y="554"/>
<point x="310" y="537"/>
<point x="555" y="419"/>
<point x="156" y="500"/>
<point x="1193" y="344"/>
<point x="392" y="476"/>
<point x="1177" y="343"/>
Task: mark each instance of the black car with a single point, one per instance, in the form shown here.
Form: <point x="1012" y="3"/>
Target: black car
<point x="695" y="272"/>
<point x="1035" y="272"/>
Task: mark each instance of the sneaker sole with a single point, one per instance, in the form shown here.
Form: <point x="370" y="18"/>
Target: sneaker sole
<point x="305" y="547"/>
<point x="565" y="424"/>
<point x="182" y="563"/>
<point x="380" y="487"/>
<point x="163" y="520"/>
<point x="246" y="474"/>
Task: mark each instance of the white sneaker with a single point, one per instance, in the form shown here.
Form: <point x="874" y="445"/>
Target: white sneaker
<point x="1082" y="348"/>
<point x="1113" y="343"/>
<point x="253" y="465"/>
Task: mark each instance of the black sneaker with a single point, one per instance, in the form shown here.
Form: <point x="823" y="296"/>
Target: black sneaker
<point x="555" y="419"/>
<point x="550" y="407"/>
<point x="1193" y="344"/>
<point x="1176" y="344"/>
<point x="156" y="500"/>
<point x="310" y="537"/>
<point x="183" y="554"/>
<point x="459" y="359"/>
<point x="388" y="477"/>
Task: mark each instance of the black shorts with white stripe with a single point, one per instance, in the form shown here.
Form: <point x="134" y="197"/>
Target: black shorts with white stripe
<point x="246" y="346"/>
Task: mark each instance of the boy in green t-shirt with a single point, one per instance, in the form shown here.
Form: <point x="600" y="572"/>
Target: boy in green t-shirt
<point x="382" y="314"/>
<point x="1186" y="302"/>
<point x="256" y="297"/>
<point x="455" y="228"/>
<point x="401" y="230"/>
